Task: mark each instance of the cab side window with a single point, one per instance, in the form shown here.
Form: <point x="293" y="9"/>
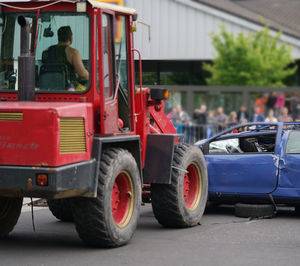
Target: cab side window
<point x="121" y="48"/>
<point x="108" y="60"/>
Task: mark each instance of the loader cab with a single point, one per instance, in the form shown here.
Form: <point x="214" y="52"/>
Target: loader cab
<point x="101" y="34"/>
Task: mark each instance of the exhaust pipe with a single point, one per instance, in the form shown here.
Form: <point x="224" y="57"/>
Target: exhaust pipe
<point x="26" y="65"/>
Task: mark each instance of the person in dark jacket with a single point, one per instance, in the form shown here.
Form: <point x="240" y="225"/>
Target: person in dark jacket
<point x="271" y="101"/>
<point x="242" y="114"/>
<point x="200" y="116"/>
<point x="257" y="116"/>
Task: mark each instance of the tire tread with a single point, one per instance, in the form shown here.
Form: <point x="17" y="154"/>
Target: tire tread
<point x="9" y="214"/>
<point x="165" y="197"/>
<point x="89" y="213"/>
<point x="61" y="209"/>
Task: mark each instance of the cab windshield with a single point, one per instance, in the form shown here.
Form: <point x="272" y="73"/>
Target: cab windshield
<point x="56" y="39"/>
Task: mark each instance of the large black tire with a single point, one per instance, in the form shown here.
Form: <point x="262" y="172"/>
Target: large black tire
<point x="94" y="218"/>
<point x="10" y="210"/>
<point x="61" y="209"/>
<point x="168" y="202"/>
<point x="254" y="210"/>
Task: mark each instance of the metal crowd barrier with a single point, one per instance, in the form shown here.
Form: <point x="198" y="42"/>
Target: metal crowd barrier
<point x="194" y="132"/>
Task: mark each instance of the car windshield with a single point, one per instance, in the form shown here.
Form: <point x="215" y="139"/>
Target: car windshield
<point x="54" y="71"/>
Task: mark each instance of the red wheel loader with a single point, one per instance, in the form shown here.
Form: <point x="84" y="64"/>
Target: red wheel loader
<point x="75" y="130"/>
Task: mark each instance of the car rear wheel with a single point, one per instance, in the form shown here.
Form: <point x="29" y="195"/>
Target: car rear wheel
<point x="182" y="203"/>
<point x="254" y="210"/>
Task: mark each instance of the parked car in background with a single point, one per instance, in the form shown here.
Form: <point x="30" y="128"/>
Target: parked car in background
<point x="257" y="163"/>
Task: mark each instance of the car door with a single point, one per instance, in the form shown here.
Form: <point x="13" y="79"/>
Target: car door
<point x="289" y="162"/>
<point x="232" y="171"/>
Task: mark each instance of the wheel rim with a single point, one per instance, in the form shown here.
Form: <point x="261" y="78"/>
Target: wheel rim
<point x="122" y="199"/>
<point x="192" y="186"/>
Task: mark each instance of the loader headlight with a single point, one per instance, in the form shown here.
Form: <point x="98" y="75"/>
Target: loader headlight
<point x="159" y="94"/>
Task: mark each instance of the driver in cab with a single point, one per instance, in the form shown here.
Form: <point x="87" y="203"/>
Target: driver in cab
<point x="64" y="53"/>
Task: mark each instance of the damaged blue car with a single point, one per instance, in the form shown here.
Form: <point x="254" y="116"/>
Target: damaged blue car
<point x="255" y="164"/>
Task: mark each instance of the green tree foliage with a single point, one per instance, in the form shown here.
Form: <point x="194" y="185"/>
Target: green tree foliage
<point x="255" y="59"/>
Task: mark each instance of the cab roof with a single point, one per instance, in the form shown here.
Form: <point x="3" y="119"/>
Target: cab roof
<point x="102" y="5"/>
<point x="94" y="3"/>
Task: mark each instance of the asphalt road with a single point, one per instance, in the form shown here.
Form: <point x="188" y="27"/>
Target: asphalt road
<point x="221" y="239"/>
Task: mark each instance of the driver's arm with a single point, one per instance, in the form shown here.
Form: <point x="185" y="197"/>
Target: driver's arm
<point x="78" y="65"/>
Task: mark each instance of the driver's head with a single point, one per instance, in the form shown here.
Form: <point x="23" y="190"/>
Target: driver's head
<point x="65" y="34"/>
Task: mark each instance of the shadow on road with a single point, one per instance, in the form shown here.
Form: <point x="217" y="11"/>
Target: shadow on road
<point x="220" y="209"/>
<point x="53" y="235"/>
<point x="52" y="239"/>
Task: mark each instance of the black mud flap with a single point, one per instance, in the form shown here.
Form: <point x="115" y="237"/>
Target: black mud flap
<point x="127" y="142"/>
<point x="159" y="157"/>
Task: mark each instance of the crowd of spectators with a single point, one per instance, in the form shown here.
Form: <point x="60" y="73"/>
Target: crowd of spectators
<point x="275" y="107"/>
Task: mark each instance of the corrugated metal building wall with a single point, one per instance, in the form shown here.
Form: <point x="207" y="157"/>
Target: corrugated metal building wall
<point x="180" y="29"/>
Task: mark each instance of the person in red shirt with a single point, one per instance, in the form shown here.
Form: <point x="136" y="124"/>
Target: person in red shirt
<point x="260" y="103"/>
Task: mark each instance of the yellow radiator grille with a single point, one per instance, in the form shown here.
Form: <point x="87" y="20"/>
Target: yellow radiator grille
<point x="72" y="135"/>
<point x="11" y="116"/>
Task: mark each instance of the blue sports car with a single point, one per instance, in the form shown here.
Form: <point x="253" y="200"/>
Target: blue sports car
<point x="254" y="163"/>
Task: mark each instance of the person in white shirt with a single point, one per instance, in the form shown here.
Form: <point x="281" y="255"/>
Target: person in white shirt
<point x="271" y="117"/>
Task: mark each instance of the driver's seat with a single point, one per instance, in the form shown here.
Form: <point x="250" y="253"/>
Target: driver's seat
<point x="54" y="73"/>
<point x="54" y="76"/>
